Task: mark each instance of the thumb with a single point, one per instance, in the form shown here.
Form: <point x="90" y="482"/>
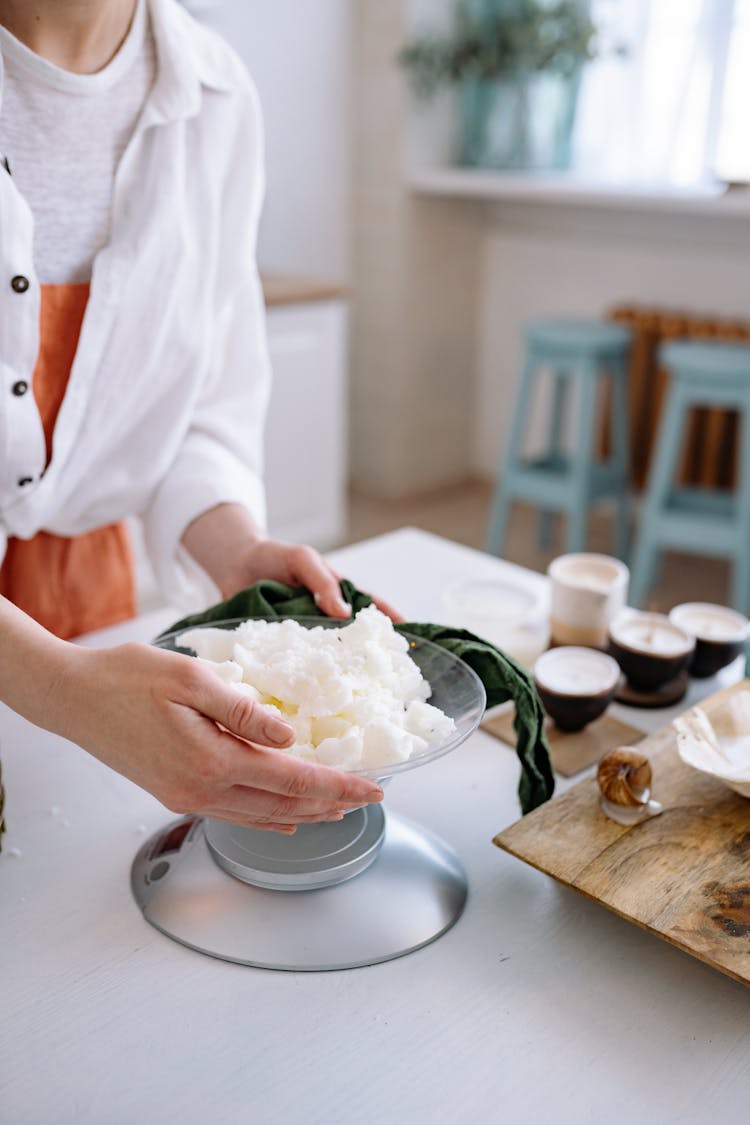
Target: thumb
<point x="245" y="717"/>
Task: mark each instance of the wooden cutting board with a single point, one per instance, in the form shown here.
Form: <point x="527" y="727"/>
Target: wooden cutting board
<point x="684" y="875"/>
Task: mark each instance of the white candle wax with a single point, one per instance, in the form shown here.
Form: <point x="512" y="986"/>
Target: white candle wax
<point x="652" y="634"/>
<point x="599" y="576"/>
<point x="576" y="671"/>
<point x="710" y="622"/>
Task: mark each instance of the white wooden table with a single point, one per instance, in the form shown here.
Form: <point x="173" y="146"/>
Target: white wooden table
<point x="537" y="1006"/>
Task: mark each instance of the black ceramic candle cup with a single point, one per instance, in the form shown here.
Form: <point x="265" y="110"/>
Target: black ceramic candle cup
<point x="649" y="648"/>
<point x="575" y="685"/>
<point x="720" y="635"/>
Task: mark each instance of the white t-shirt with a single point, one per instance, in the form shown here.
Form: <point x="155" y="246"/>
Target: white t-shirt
<point x="63" y="135"/>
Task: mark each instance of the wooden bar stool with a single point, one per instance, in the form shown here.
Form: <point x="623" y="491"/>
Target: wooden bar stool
<point x="580" y="357"/>
<point x="701" y="521"/>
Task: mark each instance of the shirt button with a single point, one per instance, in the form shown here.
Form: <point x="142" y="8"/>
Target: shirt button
<point x="19" y="284"/>
<point x="20" y="388"/>
<point x="24" y="481"/>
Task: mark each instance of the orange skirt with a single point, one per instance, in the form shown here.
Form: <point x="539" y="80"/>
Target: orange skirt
<point x="71" y="586"/>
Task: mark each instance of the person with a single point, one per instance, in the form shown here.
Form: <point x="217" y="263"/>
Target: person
<point x="135" y="379"/>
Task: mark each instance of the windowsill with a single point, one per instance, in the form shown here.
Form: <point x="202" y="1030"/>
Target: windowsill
<point x="559" y="188"/>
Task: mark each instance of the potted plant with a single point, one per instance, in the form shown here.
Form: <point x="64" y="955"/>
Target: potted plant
<point x="517" y="66"/>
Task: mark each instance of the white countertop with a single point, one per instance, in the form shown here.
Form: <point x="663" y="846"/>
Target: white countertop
<point x="537" y="1006"/>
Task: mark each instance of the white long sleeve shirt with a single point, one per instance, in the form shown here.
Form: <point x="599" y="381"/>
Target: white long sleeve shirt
<point x="164" y="411"/>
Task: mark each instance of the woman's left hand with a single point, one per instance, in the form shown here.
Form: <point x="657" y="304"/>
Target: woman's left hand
<point x="244" y="557"/>
<point x="301" y="566"/>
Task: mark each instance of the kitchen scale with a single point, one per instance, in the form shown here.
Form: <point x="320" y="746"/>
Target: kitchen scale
<point x="337" y="895"/>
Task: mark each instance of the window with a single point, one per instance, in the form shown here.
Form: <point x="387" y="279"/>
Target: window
<point x="673" y="107"/>
<point x="733" y="141"/>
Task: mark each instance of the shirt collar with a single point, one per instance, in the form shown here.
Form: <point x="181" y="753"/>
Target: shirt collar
<point x="189" y="57"/>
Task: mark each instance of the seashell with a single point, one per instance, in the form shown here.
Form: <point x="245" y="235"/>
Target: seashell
<point x="624" y="777"/>
<point x="720" y="745"/>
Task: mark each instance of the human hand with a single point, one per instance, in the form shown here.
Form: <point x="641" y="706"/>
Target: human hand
<point x="228" y="545"/>
<point x="299" y="566"/>
<point x="173" y="727"/>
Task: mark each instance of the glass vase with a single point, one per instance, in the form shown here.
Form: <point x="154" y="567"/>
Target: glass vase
<point x="522" y="122"/>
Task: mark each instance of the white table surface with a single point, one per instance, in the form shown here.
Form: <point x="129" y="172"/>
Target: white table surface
<point x="537" y="1006"/>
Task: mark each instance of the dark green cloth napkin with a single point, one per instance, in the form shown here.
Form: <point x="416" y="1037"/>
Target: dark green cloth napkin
<point x="502" y="677"/>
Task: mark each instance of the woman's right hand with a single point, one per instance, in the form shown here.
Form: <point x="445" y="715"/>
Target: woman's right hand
<point x="173" y="727"/>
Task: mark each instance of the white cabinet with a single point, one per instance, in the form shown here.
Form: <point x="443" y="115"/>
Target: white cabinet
<point x="306" y="432"/>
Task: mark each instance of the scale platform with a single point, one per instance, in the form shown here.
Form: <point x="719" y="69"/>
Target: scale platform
<point x="393" y="887"/>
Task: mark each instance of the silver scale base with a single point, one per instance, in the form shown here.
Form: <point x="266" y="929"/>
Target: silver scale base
<point x="333" y="896"/>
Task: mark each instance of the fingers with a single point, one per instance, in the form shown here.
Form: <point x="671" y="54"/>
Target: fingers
<point x="333" y="605"/>
<point x="312" y="571"/>
<point x="242" y="716"/>
<point x="268" y="812"/>
<point x="247" y="822"/>
<point x="256" y="767"/>
<point x="241" y="802"/>
<point x="384" y="606"/>
<point x="388" y="610"/>
<point x="305" y="566"/>
<point x="256" y="820"/>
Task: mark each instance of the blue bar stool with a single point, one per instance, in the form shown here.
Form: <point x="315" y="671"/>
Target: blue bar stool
<point x="700" y="521"/>
<point x="579" y="356"/>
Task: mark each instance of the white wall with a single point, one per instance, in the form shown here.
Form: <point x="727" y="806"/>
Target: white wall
<point x="298" y="52"/>
<point x="414" y="314"/>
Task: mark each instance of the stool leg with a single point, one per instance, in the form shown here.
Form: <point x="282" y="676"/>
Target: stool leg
<point x="740" y="586"/>
<point x="582" y="459"/>
<point x="621" y="454"/>
<point x="659" y="486"/>
<point x="554" y="448"/>
<point x="503" y="495"/>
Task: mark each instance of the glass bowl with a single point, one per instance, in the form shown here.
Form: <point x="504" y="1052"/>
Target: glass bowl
<point x="456" y="688"/>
